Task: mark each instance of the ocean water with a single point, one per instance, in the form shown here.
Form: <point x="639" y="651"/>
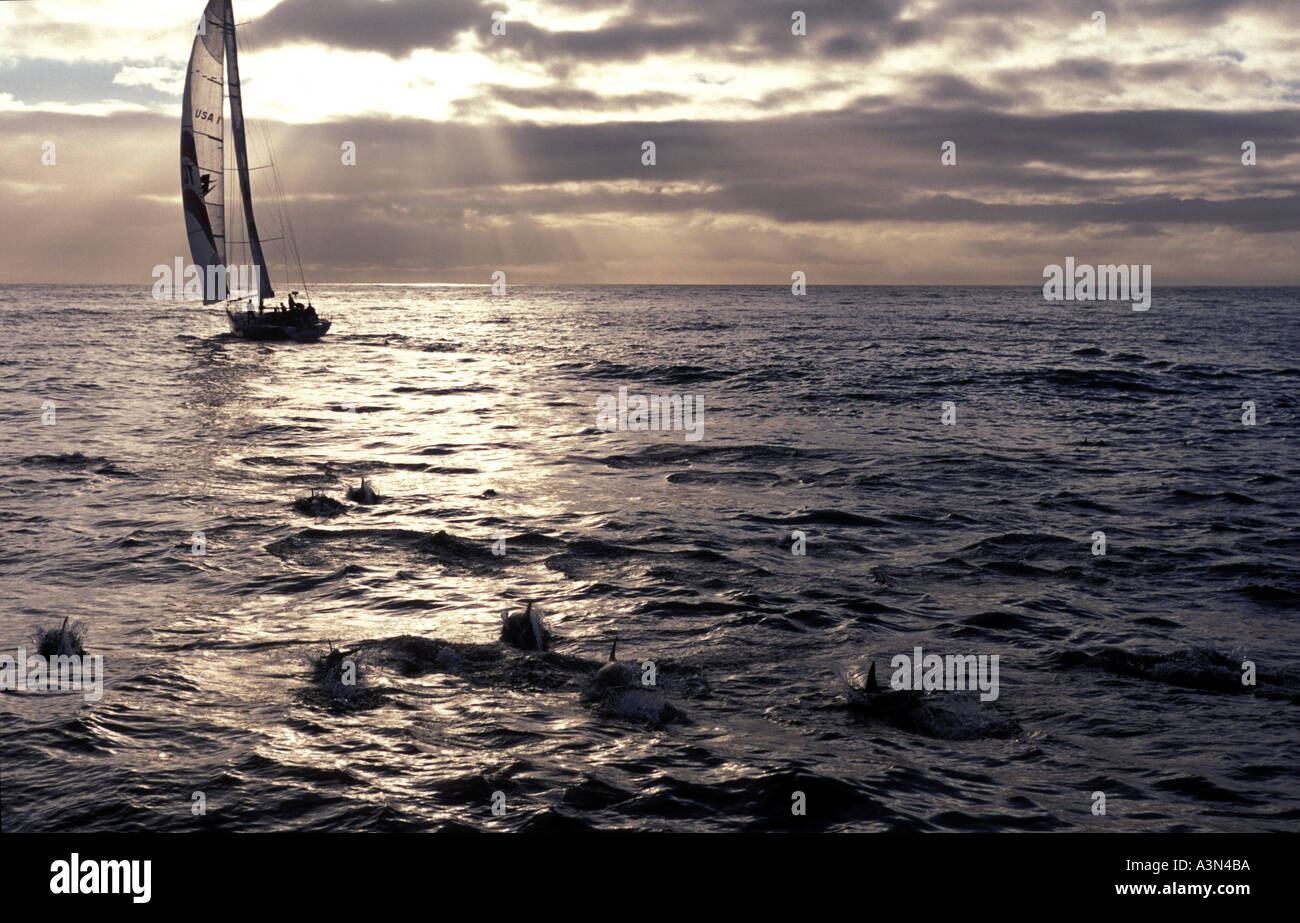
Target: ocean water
<point x="476" y="418"/>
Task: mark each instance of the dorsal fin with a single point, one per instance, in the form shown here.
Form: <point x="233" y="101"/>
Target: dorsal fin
<point x="612" y="648"/>
<point x="872" y="685"/>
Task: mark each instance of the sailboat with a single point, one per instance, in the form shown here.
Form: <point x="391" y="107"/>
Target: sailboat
<point x="203" y="190"/>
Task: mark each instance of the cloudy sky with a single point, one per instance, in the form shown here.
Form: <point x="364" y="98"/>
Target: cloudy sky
<point x="775" y="152"/>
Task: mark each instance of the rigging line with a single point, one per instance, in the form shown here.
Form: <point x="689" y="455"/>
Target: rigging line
<point x="279" y="199"/>
<point x="277" y="194"/>
<point x="293" y="237"/>
<point x="247" y="40"/>
<point x="286" y="219"/>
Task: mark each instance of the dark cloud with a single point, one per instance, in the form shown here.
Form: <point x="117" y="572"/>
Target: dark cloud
<point x="951" y="91"/>
<point x="733" y="30"/>
<point x="738" y="30"/>
<point x="393" y="27"/>
<point x="624" y="41"/>
<point x="1098" y="77"/>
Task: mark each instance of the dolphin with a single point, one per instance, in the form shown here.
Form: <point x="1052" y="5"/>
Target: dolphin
<point x="63" y="641"/>
<point x="318" y="504"/>
<point x="908" y="710"/>
<point x="868" y="697"/>
<point x="614" y="673"/>
<point x="525" y="630"/>
<point x="617" y="693"/>
<point x="328" y="670"/>
<point x="365" y="494"/>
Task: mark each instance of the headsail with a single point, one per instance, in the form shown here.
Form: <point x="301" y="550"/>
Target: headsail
<point x="241" y="157"/>
<point x="203" y="187"/>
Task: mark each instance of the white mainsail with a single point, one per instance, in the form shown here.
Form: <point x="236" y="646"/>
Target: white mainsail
<point x="241" y="157"/>
<point x="203" y="187"/>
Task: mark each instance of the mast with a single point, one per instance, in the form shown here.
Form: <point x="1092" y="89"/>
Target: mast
<point x="241" y="155"/>
<point x="203" y="176"/>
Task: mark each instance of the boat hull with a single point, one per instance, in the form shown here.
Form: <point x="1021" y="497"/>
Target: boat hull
<point x="264" y="326"/>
